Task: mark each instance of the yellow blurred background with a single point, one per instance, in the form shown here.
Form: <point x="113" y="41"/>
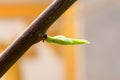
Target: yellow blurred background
<point x="42" y="61"/>
<point x="95" y="20"/>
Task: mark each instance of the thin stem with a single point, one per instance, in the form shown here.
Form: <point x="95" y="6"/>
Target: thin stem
<point x="33" y="34"/>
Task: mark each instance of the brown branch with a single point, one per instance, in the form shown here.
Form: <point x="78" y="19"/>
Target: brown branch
<point x="33" y="34"/>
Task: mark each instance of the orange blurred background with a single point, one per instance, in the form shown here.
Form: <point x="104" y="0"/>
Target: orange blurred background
<point x="95" y="20"/>
<point x="42" y="61"/>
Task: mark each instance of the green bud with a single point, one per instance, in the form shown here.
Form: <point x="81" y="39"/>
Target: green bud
<point x="62" y="40"/>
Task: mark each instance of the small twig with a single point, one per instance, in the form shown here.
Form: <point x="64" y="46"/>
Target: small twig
<point x="33" y="34"/>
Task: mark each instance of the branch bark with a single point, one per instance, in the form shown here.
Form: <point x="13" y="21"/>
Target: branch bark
<point x="32" y="34"/>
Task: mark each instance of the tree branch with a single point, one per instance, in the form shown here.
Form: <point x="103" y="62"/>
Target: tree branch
<point x="33" y="34"/>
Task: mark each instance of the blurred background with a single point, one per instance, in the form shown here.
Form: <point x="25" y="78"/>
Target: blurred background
<point x="95" y="20"/>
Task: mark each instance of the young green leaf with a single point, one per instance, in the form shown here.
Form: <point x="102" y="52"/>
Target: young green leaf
<point x="62" y="40"/>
